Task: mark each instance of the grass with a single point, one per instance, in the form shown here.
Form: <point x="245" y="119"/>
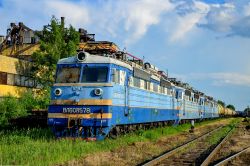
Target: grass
<point x="218" y="135"/>
<point x="38" y="146"/>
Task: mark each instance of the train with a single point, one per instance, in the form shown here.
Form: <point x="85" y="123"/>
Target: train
<point x="99" y="95"/>
<point x="225" y="112"/>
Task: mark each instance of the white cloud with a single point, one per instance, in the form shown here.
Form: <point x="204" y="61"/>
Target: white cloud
<point x="247" y="9"/>
<point x="232" y="18"/>
<point x="131" y="18"/>
<point x="142" y="14"/>
<point x="185" y="24"/>
<point x="223" y="78"/>
<point x="221" y="17"/>
<point x="76" y="13"/>
<point x="114" y="18"/>
<point x="238" y="79"/>
<point x="188" y="19"/>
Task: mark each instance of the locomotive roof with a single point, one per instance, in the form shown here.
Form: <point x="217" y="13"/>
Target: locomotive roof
<point x="95" y="59"/>
<point x="106" y="59"/>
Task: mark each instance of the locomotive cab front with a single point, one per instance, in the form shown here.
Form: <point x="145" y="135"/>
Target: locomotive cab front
<point x="81" y="97"/>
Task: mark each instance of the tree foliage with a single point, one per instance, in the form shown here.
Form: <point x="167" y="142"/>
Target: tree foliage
<point x="221" y="103"/>
<point x="56" y="42"/>
<point x="247" y="109"/>
<point x="230" y="106"/>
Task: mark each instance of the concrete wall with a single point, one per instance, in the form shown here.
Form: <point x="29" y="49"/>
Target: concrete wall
<point x="13" y="90"/>
<point x="15" y="71"/>
<point x="13" y="65"/>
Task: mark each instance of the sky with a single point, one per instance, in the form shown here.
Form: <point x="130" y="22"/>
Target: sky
<point x="203" y="42"/>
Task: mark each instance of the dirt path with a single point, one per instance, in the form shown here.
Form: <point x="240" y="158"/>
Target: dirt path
<point x="139" y="152"/>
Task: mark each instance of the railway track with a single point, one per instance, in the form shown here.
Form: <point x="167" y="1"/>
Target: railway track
<point x="235" y="150"/>
<point x="232" y="160"/>
<point x="194" y="152"/>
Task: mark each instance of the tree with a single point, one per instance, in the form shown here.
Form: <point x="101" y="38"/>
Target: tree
<point x="230" y="106"/>
<point x="56" y="42"/>
<point x="221" y="103"/>
<point x="247" y="109"/>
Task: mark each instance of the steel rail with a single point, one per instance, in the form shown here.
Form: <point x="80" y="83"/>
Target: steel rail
<point x="216" y="149"/>
<point x="232" y="157"/>
<point x="171" y="152"/>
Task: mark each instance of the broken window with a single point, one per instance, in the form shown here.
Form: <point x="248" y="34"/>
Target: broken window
<point x="68" y="75"/>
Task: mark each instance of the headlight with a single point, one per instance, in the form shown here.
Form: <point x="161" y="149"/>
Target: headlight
<point x="98" y="91"/>
<point x="58" y="91"/>
<point x="81" y="56"/>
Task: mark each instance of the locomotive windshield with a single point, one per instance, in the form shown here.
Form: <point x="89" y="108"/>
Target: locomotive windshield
<point x="68" y="75"/>
<point x="94" y="74"/>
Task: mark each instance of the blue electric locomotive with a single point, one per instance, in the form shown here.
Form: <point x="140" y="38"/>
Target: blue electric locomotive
<point x="95" y="95"/>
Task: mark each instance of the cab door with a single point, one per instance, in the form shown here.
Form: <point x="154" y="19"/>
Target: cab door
<point x="126" y="101"/>
<point x="123" y="81"/>
<point x="180" y="103"/>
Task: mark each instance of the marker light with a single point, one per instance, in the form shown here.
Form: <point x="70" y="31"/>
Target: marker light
<point x="58" y="91"/>
<point x="98" y="91"/>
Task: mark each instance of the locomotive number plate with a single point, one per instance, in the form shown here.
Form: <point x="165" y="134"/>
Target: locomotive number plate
<point x="76" y="110"/>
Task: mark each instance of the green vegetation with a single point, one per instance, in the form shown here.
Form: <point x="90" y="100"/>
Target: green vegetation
<point x="224" y="105"/>
<point x="230" y="106"/>
<point x="11" y="107"/>
<point x="56" y="42"/>
<point x="38" y="146"/>
<point x="216" y="137"/>
<point x="221" y="103"/>
<point x="31" y="101"/>
<point x="247" y="109"/>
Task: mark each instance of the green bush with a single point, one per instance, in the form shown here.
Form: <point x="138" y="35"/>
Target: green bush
<point x="28" y="101"/>
<point x="43" y="100"/>
<point x="10" y="108"/>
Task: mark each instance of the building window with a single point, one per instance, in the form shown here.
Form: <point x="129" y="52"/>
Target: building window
<point x="17" y="80"/>
<point x="10" y="79"/>
<point x="23" y="80"/>
<point x="31" y="83"/>
<point x="3" y="78"/>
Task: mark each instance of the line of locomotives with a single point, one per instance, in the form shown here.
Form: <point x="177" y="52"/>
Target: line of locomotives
<point x="97" y="95"/>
